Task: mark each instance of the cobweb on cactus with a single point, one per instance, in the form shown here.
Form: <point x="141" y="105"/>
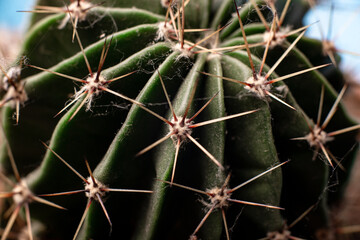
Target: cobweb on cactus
<point x="285" y="233"/>
<point x="94" y="84"/>
<point x="328" y="41"/>
<point x="276" y="35"/>
<point x="260" y="84"/>
<point x="318" y="138"/>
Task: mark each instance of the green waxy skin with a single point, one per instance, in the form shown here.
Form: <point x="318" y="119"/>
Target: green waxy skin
<point x="111" y="21"/>
<point x="113" y="131"/>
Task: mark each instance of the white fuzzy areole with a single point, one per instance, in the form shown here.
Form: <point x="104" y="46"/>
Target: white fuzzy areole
<point x="166" y="3"/>
<point x="193" y="237"/>
<point x="78" y="11"/>
<point x="92" y="86"/>
<point x="328" y="47"/>
<point x="22" y="193"/>
<point x="165" y="29"/>
<point x="276" y="39"/>
<point x="15" y="89"/>
<point x="283" y="235"/>
<point x="17" y="95"/>
<point x="220" y="197"/>
<point x="317" y="137"/>
<point x="12" y="75"/>
<point x="180" y="129"/>
<point x="93" y="190"/>
<point x="258" y="85"/>
<point x="184" y="51"/>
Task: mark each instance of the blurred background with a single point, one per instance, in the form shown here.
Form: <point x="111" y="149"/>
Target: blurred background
<point x="12" y="28"/>
<point x="339" y="22"/>
<point x="9" y="18"/>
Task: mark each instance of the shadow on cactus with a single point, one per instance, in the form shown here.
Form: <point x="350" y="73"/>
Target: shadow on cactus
<point x="195" y="49"/>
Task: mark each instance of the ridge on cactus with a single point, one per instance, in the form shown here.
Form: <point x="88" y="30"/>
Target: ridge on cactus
<point x="94" y="190"/>
<point x="94" y="84"/>
<point x="181" y="128"/>
<point x="174" y="59"/>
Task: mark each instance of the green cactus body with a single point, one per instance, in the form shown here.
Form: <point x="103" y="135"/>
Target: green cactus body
<point x="112" y="131"/>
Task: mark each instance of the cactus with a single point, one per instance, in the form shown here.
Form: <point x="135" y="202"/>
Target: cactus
<point x="137" y="72"/>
